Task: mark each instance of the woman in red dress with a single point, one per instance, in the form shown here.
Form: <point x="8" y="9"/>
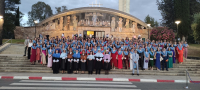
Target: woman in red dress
<point x="180" y="50"/>
<point x="113" y="57"/>
<point x="33" y="54"/>
<point x="119" y="57"/>
<point x="38" y="52"/>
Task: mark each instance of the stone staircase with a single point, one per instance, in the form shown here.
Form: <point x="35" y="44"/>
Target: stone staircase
<point x="12" y="60"/>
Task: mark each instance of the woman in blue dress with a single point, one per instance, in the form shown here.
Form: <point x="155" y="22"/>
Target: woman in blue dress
<point x="173" y="51"/>
<point x="158" y="54"/>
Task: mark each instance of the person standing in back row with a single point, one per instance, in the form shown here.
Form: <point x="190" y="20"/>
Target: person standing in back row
<point x="135" y="58"/>
<point x="26" y="45"/>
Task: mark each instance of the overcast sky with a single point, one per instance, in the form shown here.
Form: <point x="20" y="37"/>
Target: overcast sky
<point x="138" y="8"/>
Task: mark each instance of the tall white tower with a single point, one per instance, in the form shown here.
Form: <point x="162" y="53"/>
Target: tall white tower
<point x="124" y="5"/>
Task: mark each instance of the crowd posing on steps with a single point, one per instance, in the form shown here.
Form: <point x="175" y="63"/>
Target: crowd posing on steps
<point x="93" y="53"/>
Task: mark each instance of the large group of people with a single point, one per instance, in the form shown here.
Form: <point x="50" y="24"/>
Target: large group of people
<point x="88" y="54"/>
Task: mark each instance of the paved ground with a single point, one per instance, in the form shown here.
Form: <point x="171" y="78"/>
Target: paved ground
<point x="6" y="84"/>
<point x="100" y="76"/>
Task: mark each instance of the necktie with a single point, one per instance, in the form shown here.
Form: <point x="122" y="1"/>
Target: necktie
<point x="135" y="55"/>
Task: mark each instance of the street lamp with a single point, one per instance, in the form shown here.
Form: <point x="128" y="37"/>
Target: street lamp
<point x="149" y="25"/>
<point x="1" y="17"/>
<point x="177" y="22"/>
<point x="35" y="27"/>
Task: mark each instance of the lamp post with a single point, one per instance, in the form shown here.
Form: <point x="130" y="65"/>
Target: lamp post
<point x="35" y="22"/>
<point x="149" y="25"/>
<point x="1" y="17"/>
<point x="177" y="22"/>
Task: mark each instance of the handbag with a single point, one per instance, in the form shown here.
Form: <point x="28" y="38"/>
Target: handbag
<point x="161" y="58"/>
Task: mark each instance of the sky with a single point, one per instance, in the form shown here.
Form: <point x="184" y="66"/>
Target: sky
<point x="138" y="8"/>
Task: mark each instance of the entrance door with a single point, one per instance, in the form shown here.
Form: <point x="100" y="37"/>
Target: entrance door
<point x="94" y="34"/>
<point x="99" y="34"/>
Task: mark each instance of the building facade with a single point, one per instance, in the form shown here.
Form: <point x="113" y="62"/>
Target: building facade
<point x="97" y="21"/>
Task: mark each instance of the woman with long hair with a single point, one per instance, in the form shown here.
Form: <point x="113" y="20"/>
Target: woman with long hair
<point x="146" y="59"/>
<point x="170" y="58"/>
<point x="114" y="57"/>
<point x="126" y="59"/>
<point x="119" y="58"/>
<point x="33" y="54"/>
<point x="43" y="54"/>
<point x="158" y="55"/>
<point x="152" y="57"/>
<point x="50" y="53"/>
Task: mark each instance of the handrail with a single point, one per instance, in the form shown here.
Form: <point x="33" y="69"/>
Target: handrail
<point x="6" y="42"/>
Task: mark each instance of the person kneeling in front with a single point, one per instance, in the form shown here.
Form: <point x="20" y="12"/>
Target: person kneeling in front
<point x="135" y="58"/>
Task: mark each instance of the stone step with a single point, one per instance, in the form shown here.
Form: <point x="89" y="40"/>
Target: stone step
<point x="102" y="72"/>
<point x="26" y="68"/>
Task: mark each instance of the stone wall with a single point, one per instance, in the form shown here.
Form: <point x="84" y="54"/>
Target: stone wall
<point x="23" y="32"/>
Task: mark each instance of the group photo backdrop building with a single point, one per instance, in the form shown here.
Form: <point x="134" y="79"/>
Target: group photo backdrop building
<point x="97" y="21"/>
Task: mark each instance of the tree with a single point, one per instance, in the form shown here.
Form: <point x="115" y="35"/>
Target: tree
<point x="10" y="18"/>
<point x="166" y="8"/>
<point x="182" y="12"/>
<point x="196" y="26"/>
<point x="162" y="33"/>
<point x="60" y="9"/>
<point x="1" y="21"/>
<point x="39" y="11"/>
<point x="151" y="20"/>
<point x="17" y="21"/>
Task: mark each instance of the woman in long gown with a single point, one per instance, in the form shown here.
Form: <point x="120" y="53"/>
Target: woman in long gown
<point x="172" y="48"/>
<point x="90" y="58"/>
<point x="38" y="52"/>
<point x="33" y="54"/>
<point x="146" y="59"/>
<point x="158" y="54"/>
<point x="30" y="44"/>
<point x="70" y="61"/>
<point x="170" y="58"/>
<point x="180" y="50"/>
<point x="152" y="56"/>
<point x="185" y="45"/>
<point x="126" y="54"/>
<point x="83" y="61"/>
<point x="131" y="59"/>
<point x="106" y="62"/>
<point x="63" y="57"/>
<point x="120" y="57"/>
<point x="50" y="52"/>
<point x="55" y="65"/>
<point x="113" y="57"/>
<point x="43" y="54"/>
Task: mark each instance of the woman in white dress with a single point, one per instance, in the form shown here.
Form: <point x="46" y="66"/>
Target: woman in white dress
<point x="131" y="59"/>
<point x="146" y="59"/>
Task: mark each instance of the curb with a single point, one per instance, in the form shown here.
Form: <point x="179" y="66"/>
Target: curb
<point x="95" y="79"/>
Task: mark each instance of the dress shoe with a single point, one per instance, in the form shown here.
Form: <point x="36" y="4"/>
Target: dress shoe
<point x="138" y="74"/>
<point x="132" y="74"/>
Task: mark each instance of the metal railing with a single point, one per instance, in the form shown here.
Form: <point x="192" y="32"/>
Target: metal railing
<point x="6" y="42"/>
<point x="189" y="80"/>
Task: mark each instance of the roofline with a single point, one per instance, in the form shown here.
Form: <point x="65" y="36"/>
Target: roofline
<point x="93" y="9"/>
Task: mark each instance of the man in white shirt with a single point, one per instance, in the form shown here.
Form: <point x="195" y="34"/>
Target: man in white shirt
<point x="26" y="45"/>
<point x="135" y="58"/>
